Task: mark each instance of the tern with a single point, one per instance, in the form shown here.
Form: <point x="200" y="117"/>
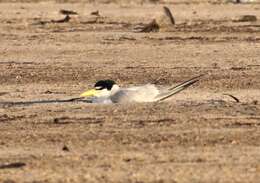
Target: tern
<point x="107" y="91"/>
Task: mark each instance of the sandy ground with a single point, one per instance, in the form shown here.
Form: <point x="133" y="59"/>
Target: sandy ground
<point x="198" y="136"/>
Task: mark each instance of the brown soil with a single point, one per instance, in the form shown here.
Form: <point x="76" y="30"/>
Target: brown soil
<point x="200" y="135"/>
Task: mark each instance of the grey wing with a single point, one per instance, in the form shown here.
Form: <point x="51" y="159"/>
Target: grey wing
<point x="145" y="93"/>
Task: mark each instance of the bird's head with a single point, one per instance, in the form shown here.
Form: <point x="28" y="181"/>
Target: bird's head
<point x="101" y="88"/>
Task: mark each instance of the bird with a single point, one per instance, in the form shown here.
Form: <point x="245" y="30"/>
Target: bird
<point x="108" y="91"/>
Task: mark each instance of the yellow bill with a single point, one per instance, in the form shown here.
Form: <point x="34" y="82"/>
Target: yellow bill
<point x="89" y="93"/>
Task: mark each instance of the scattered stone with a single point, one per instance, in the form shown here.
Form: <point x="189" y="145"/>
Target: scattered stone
<point x="234" y="142"/>
<point x="122" y="38"/>
<point x="255" y="102"/>
<point x="215" y="65"/>
<point x="12" y="165"/>
<point x="61" y="120"/>
<point x="240" y="1"/>
<point x="66" y="19"/>
<point x="127" y="159"/>
<point x="200" y="160"/>
<point x="48" y="92"/>
<point x="68" y="12"/>
<point x="246" y="18"/>
<point x="56" y="120"/>
<point x="96" y="13"/>
<point x="3" y="93"/>
<point x="65" y="148"/>
<point x="150" y="27"/>
<point x="154" y="1"/>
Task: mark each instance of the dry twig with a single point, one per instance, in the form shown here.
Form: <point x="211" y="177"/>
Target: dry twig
<point x="233" y="97"/>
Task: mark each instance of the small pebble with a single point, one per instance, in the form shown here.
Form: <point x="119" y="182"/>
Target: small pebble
<point x="65" y="148"/>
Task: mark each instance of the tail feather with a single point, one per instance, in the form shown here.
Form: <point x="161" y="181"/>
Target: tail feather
<point x="176" y="89"/>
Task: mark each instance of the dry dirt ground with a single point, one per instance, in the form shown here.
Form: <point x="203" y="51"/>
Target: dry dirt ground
<point x="198" y="136"/>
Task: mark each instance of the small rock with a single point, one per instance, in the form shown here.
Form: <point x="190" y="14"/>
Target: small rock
<point x="150" y="27"/>
<point x="96" y="13"/>
<point x="234" y="142"/>
<point x="12" y="165"/>
<point x="255" y="102"/>
<point x="68" y="12"/>
<point x="56" y="120"/>
<point x="3" y="93"/>
<point x="127" y="159"/>
<point x="48" y="92"/>
<point x="65" y="148"/>
<point x="246" y="18"/>
<point x="240" y="1"/>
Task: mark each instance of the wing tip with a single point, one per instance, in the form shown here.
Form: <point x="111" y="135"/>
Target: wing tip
<point x="176" y="89"/>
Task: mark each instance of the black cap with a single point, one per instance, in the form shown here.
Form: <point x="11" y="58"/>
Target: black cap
<point x="104" y="84"/>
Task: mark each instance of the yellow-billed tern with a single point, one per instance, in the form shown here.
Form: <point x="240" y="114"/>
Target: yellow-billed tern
<point x="107" y="91"/>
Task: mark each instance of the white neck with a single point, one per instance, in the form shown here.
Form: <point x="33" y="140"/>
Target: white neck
<point x="114" y="89"/>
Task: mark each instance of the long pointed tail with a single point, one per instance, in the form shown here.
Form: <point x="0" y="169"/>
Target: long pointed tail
<point x="176" y="89"/>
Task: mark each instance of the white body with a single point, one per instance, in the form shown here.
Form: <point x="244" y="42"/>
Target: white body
<point x="144" y="93"/>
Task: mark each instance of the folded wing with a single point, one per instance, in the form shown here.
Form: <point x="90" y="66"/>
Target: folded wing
<point x="145" y="93"/>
